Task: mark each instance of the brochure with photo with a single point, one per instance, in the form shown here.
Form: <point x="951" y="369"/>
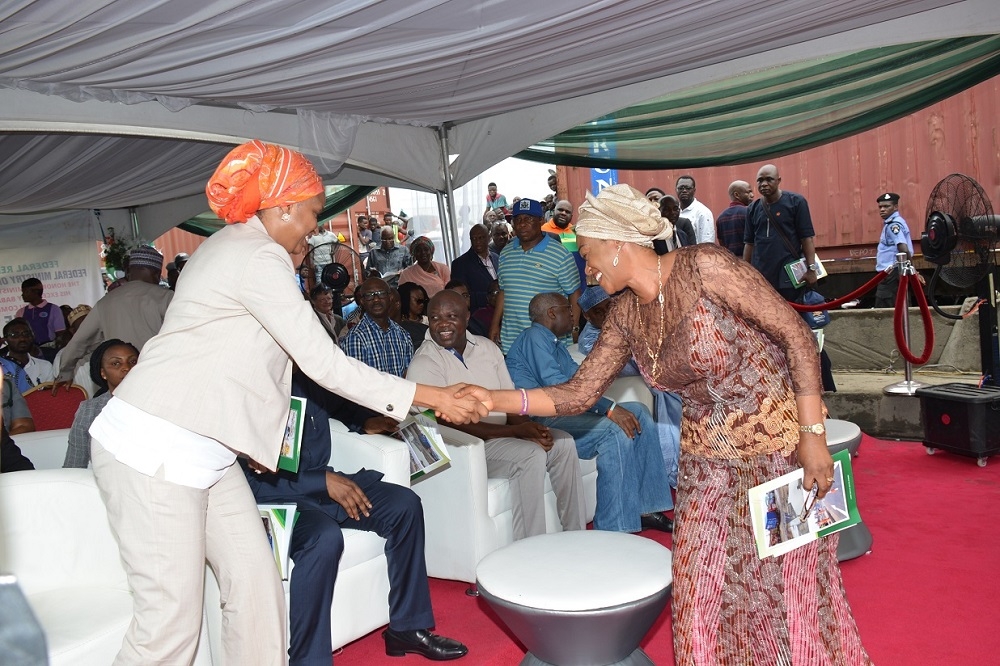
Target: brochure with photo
<point x="291" y="443"/>
<point x="427" y="450"/>
<point x="279" y="519"/>
<point x="797" y="271"/>
<point x="786" y="516"/>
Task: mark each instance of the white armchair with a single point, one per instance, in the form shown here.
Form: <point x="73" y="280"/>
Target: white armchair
<point x="467" y="515"/>
<point x="46" y="449"/>
<point x="361" y="598"/>
<point x="55" y="537"/>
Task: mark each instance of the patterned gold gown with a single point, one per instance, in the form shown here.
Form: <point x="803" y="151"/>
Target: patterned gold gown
<point x="738" y="355"/>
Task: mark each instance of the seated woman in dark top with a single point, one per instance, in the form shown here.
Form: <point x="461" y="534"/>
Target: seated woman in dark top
<point x="412" y="304"/>
<point x="109" y="364"/>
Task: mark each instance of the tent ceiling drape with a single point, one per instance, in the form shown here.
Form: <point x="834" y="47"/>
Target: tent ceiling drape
<point x="115" y="103"/>
<point x="777" y="111"/>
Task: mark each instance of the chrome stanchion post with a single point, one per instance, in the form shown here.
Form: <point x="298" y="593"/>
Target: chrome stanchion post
<point x="907" y="386"/>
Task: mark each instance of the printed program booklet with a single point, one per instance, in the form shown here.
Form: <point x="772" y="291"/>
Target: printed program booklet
<point x="797" y="271"/>
<point x="279" y="519"/>
<point x="427" y="450"/>
<point x="776" y="509"/>
<point x="291" y="443"/>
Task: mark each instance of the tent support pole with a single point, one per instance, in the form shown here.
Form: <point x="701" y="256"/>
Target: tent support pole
<point x="133" y="218"/>
<point x="445" y="232"/>
<point x="451" y="245"/>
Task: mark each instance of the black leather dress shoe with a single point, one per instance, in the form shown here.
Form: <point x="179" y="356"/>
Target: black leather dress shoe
<point x="424" y="643"/>
<point x="657" y="521"/>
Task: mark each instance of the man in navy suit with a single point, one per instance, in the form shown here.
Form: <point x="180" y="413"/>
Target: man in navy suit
<point x="477" y="268"/>
<point x="329" y="501"/>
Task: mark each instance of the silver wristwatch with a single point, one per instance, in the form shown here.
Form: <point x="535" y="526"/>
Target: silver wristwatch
<point x="815" y="429"/>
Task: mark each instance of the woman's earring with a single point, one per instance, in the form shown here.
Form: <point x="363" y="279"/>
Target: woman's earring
<point x="285" y="217"/>
<point x="615" y="261"/>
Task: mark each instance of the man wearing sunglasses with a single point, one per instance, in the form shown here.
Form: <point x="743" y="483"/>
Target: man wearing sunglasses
<point x="377" y="340"/>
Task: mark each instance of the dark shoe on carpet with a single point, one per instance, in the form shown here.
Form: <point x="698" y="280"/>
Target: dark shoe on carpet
<point x="657" y="521"/>
<point x="424" y="643"/>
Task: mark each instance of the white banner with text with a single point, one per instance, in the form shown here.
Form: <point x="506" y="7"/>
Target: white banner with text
<point x="70" y="274"/>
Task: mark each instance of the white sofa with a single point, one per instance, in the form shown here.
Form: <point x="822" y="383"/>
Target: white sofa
<point x="361" y="598"/>
<point x="46" y="449"/>
<point x="467" y="515"/>
<point x="57" y="542"/>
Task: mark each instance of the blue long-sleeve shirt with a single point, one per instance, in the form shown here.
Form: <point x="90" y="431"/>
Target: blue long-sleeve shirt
<point x="537" y="358"/>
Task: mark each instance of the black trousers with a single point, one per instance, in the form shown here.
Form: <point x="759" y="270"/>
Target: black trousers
<point x="826" y="367"/>
<point x="316" y="547"/>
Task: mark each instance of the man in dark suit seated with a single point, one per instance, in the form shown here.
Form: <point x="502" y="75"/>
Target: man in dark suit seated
<point x="329" y="501"/>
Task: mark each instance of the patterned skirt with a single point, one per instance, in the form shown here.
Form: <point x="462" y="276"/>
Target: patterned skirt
<point x="732" y="608"/>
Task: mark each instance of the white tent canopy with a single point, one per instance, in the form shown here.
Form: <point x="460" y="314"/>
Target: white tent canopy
<point x="109" y="104"/>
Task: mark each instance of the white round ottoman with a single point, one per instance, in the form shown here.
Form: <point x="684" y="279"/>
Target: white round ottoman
<point x="856" y="540"/>
<point x="583" y="598"/>
<point x="842" y="435"/>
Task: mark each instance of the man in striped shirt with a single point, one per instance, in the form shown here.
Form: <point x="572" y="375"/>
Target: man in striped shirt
<point x="532" y="263"/>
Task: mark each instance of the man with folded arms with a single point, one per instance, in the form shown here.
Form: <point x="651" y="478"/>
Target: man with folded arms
<point x="516" y="447"/>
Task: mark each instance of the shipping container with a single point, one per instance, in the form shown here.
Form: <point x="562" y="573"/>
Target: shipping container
<point x="841" y="180"/>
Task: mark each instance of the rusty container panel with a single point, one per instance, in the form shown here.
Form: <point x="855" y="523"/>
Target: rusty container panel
<point x="376" y="203"/>
<point x="842" y="179"/>
<point x="176" y="241"/>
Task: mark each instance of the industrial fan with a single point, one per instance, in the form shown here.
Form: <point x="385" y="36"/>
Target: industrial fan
<point x="961" y="231"/>
<point x="343" y="274"/>
<point x="960" y="237"/>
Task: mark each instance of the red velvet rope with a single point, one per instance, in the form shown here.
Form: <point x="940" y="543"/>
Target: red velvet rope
<point x="907" y="281"/>
<point x="837" y="302"/>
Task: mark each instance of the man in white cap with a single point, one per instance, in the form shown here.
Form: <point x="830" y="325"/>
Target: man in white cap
<point x="134" y="312"/>
<point x="895" y="238"/>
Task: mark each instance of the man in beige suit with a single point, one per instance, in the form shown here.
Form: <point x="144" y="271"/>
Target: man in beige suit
<point x="215" y="384"/>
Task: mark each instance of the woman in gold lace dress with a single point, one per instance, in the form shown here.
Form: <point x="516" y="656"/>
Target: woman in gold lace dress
<point x="708" y="326"/>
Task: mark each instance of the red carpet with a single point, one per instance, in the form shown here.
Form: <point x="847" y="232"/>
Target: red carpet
<point x="927" y="593"/>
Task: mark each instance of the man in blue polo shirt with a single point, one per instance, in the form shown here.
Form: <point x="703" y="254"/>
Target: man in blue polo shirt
<point x="895" y="238"/>
<point x="530" y="264"/>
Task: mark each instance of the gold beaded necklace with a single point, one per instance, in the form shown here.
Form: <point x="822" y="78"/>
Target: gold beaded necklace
<point x="654" y="357"/>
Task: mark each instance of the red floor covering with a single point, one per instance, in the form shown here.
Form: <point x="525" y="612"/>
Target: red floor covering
<point x="926" y="594"/>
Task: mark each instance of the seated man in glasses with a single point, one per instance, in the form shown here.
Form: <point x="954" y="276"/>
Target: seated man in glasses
<point x="20" y="340"/>
<point x="377" y="340"/>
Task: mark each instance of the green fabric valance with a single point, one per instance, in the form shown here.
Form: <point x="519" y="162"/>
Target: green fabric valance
<point x="773" y="112"/>
<point x="338" y="199"/>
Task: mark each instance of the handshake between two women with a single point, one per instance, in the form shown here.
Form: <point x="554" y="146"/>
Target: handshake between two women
<point x="458" y="403"/>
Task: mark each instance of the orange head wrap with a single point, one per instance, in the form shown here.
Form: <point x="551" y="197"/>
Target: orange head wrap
<point x="260" y="175"/>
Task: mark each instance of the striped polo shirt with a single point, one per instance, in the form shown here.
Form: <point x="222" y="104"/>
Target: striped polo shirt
<point x="547" y="267"/>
